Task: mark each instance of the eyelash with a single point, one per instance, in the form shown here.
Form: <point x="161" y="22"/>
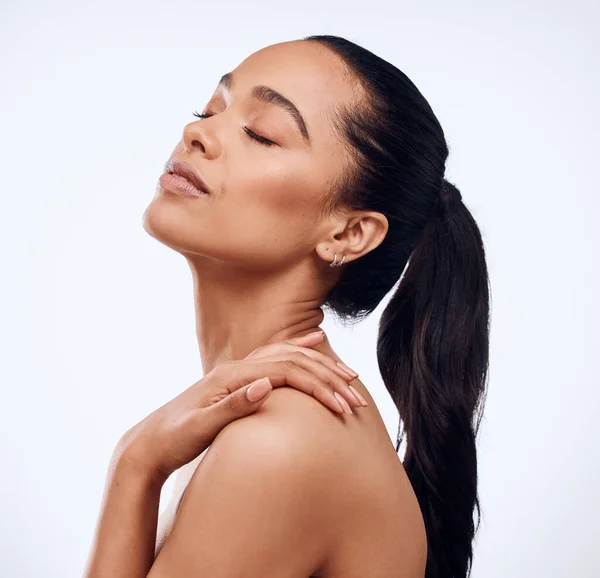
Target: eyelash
<point x="252" y="135"/>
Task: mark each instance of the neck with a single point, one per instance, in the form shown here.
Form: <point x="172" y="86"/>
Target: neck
<point x="239" y="309"/>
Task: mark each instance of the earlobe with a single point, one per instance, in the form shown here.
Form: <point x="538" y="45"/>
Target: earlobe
<point x="335" y="262"/>
<point x="364" y="235"/>
<point x="358" y="238"/>
<point x="334" y="256"/>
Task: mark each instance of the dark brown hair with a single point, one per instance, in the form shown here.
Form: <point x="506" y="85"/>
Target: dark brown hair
<point x="432" y="347"/>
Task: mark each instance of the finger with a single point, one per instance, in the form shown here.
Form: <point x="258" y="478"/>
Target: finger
<point x="323" y="358"/>
<point x="284" y="371"/>
<point x="313" y="337"/>
<point x="322" y="366"/>
<point x="239" y="403"/>
<point x="235" y="375"/>
<point x="304" y="343"/>
<point x="313" y="383"/>
<point x="326" y="360"/>
<point x="258" y="389"/>
<point x="306" y="340"/>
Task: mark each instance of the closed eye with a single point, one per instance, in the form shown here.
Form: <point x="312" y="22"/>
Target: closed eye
<point x="258" y="138"/>
<point x="250" y="133"/>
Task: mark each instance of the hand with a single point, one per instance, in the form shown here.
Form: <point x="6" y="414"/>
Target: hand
<point x="183" y="428"/>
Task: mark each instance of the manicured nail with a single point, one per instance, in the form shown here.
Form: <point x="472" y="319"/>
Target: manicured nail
<point x="312" y="335"/>
<point x="360" y="397"/>
<point x="340" y="406"/>
<point x="259" y="389"/>
<point x="355" y="398"/>
<point x="347" y="369"/>
<point x="343" y="403"/>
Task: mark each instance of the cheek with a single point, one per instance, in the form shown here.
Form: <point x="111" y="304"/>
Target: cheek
<point x="282" y="200"/>
<point x="263" y="216"/>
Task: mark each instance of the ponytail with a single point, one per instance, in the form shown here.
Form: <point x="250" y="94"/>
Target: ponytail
<point x="432" y="347"/>
<point x="432" y="351"/>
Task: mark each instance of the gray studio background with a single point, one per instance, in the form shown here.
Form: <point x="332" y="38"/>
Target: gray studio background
<point x="97" y="326"/>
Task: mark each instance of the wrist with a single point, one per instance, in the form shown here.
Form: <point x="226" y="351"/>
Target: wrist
<point x="126" y="464"/>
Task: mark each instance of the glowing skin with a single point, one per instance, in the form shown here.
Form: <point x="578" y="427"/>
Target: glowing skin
<point x="258" y="251"/>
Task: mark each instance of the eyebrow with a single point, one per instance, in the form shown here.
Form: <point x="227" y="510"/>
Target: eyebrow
<point x="270" y="96"/>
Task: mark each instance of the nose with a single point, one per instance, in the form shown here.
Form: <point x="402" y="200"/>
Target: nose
<point x="201" y="135"/>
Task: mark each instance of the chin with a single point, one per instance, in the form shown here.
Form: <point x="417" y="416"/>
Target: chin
<point x="166" y="222"/>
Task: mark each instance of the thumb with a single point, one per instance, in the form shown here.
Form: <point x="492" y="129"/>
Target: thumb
<point x="244" y="400"/>
<point x="258" y="390"/>
<point x="240" y="403"/>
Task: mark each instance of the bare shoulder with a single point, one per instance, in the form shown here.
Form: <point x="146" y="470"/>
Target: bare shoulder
<point x="370" y="518"/>
<point x="298" y="490"/>
<point x="351" y="456"/>
<point x="257" y="502"/>
<point x="292" y="434"/>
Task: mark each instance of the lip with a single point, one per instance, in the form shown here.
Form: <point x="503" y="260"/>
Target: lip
<point x="181" y="168"/>
<point x="177" y="185"/>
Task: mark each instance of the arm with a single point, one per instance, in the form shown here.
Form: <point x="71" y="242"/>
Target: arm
<point x="177" y="432"/>
<point x="253" y="508"/>
<point x="125" y="536"/>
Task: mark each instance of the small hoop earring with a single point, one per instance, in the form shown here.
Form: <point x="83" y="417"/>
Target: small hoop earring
<point x="334" y="264"/>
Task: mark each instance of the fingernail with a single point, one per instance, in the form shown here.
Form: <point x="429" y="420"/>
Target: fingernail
<point x="346" y="368"/>
<point x="343" y="373"/>
<point x="340" y="406"/>
<point x="343" y="403"/>
<point x="313" y="334"/>
<point x="360" y="397"/>
<point x="355" y="398"/>
<point x="259" y="389"/>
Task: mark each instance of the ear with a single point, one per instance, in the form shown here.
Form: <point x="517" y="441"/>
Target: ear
<point x="354" y="237"/>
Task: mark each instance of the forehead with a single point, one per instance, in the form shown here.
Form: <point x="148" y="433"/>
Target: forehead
<point x="307" y="73"/>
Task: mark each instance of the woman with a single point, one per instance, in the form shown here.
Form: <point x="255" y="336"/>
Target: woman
<point x="313" y="174"/>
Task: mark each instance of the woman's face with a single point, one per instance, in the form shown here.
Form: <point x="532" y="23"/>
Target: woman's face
<point x="263" y="210"/>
